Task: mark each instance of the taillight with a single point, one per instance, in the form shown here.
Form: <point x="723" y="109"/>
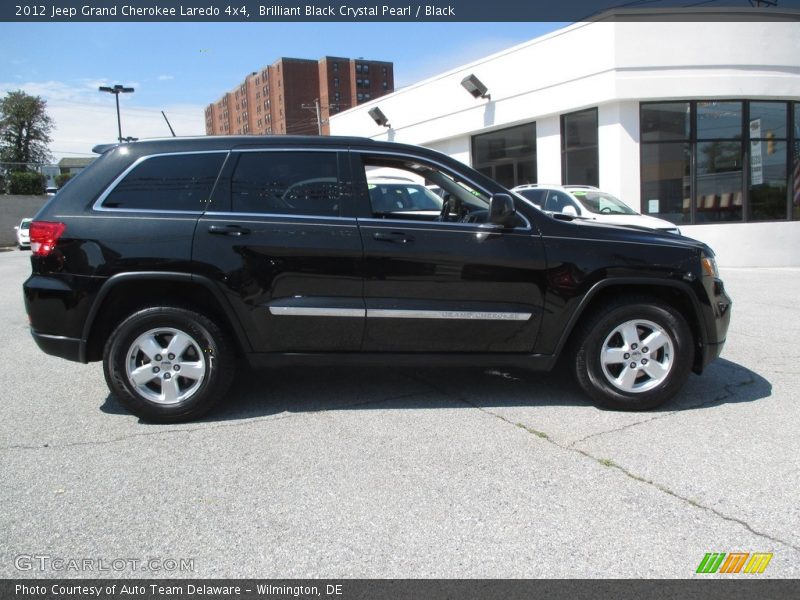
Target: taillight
<point x="44" y="235"/>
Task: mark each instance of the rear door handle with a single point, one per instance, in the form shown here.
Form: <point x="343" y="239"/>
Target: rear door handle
<point x="234" y="230"/>
<point x="396" y="237"/>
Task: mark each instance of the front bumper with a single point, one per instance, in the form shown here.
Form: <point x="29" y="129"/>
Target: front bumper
<point x="717" y="325"/>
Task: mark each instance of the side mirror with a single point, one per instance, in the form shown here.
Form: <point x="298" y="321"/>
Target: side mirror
<point x="569" y="210"/>
<point x="16" y="227"/>
<point x="501" y="210"/>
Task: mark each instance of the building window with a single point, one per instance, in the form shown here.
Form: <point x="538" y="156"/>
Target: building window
<point x="666" y="164"/>
<point x="336" y="67"/>
<point x="579" y="151"/>
<point x="796" y="159"/>
<point x="768" y="182"/>
<point x="508" y="156"/>
<point x="719" y="159"/>
<point x="336" y="82"/>
<point x="358" y="68"/>
<point x="716" y="161"/>
<point x="365" y="68"/>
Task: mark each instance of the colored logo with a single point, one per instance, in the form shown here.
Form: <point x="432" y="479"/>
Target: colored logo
<point x="734" y="562"/>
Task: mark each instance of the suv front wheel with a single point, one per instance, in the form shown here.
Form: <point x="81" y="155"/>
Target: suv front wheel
<point x="168" y="364"/>
<point x="634" y="355"/>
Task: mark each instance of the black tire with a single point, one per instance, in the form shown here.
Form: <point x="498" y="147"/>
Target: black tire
<point x="206" y="357"/>
<point x="640" y="380"/>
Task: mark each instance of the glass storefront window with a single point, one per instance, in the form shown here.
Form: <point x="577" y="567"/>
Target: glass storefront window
<point x="768" y="182"/>
<point x="508" y="156"/>
<point x="718" y="190"/>
<point x="665" y="181"/>
<point x="719" y="120"/>
<point x="739" y="160"/>
<point x="580" y="129"/>
<point x="771" y="118"/>
<point x="796" y="164"/>
<point x="580" y="159"/>
<point x="666" y="121"/>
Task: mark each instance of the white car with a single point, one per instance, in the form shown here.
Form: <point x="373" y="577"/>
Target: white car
<point x="23" y="233"/>
<point x="402" y="196"/>
<point x="588" y="202"/>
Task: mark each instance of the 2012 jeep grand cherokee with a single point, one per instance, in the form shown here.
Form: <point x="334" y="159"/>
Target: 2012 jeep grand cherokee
<point x="169" y="260"/>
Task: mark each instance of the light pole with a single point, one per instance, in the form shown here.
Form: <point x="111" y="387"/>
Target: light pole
<point x="117" y="90"/>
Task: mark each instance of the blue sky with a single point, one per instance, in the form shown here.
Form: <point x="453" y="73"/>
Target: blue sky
<point x="181" y="67"/>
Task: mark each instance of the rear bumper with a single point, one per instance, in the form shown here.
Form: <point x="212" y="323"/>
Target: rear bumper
<point x="57" y="306"/>
<point x="58" y="345"/>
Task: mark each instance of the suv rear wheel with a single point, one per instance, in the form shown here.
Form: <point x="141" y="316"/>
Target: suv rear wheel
<point x="634" y="354"/>
<point x="168" y="364"/>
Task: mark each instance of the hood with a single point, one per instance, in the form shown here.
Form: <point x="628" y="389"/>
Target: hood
<point x="635" y="220"/>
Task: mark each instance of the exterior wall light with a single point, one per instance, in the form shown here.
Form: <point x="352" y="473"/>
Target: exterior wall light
<point x="378" y="116"/>
<point x="475" y="87"/>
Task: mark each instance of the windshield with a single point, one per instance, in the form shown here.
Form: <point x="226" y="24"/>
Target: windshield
<point x="26" y="225"/>
<point x="601" y="203"/>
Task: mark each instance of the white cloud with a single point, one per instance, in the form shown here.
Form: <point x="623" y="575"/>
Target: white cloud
<point x="84" y="118"/>
<point x="166" y="77"/>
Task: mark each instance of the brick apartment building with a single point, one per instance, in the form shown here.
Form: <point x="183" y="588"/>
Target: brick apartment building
<point x="280" y="98"/>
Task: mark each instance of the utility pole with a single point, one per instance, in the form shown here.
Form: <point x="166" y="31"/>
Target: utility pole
<point x="315" y="108"/>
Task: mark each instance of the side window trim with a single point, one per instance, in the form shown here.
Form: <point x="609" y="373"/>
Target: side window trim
<point x="98" y="204"/>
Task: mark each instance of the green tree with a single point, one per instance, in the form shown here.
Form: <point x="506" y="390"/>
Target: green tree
<point x="62" y="179"/>
<point x="25" y="129"/>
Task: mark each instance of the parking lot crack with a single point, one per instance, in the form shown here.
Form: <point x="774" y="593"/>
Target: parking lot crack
<point x="728" y="391"/>
<point x="546" y="438"/>
<point x="694" y="503"/>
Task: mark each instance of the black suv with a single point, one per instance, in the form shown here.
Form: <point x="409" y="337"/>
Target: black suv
<point x="169" y="260"/>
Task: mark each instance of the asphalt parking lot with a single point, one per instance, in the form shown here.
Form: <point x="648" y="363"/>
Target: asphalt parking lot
<point x="413" y="473"/>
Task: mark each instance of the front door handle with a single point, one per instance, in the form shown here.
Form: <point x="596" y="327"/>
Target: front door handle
<point x="234" y="230"/>
<point x="396" y="237"/>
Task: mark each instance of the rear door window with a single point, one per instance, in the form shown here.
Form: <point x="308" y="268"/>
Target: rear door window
<point x="287" y="182"/>
<point x="178" y="182"/>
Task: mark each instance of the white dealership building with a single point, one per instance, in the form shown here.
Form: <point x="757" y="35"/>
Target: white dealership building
<point x="692" y="119"/>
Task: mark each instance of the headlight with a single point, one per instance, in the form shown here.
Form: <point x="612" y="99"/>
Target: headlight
<point x="709" y="267"/>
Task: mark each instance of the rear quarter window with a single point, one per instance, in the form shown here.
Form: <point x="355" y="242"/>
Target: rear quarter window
<point x="180" y="182"/>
